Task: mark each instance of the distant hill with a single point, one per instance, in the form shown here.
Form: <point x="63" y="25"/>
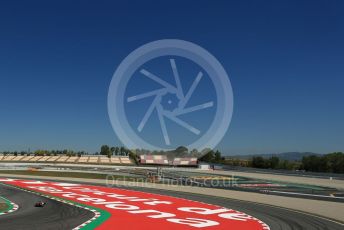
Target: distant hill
<point x="290" y="156"/>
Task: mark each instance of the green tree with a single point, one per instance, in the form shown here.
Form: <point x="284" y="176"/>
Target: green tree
<point x="105" y="150"/>
<point x="134" y="157"/>
<point x="116" y="151"/>
<point x="122" y="151"/>
<point x="258" y="162"/>
<point x="208" y="157"/>
<point x="217" y="157"/>
<point x="273" y="162"/>
<point x="112" y="150"/>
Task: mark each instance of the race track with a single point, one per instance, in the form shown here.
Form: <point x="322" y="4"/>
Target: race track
<point x="58" y="215"/>
<point x="55" y="215"/>
<point x="277" y="218"/>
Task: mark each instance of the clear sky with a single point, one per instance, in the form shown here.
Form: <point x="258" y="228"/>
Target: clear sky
<point x="285" y="60"/>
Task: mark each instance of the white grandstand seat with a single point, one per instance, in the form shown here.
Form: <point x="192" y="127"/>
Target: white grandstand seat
<point x="115" y="160"/>
<point x="62" y="159"/>
<point x="8" y="158"/>
<point x="93" y="159"/>
<point x="44" y="159"/>
<point x="72" y="159"/>
<point x="35" y="158"/>
<point x="53" y="158"/>
<point x="75" y="159"/>
<point x="104" y="160"/>
<point x="83" y="159"/>
<point x="125" y="160"/>
<point x="26" y="158"/>
<point x="17" y="158"/>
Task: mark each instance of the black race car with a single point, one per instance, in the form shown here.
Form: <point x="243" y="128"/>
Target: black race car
<point x="40" y="204"/>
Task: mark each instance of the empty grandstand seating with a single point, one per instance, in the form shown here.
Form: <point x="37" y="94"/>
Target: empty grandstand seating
<point x="104" y="160"/>
<point x="66" y="159"/>
<point x="17" y="158"/>
<point x="115" y="160"/>
<point x="44" y="159"/>
<point x="26" y="158"/>
<point x="72" y="159"/>
<point x="53" y="158"/>
<point x="35" y="158"/>
<point x="125" y="160"/>
<point x="93" y="160"/>
<point x="96" y="159"/>
<point x="154" y="159"/>
<point x="83" y="159"/>
<point x="62" y="159"/>
<point x="8" y="158"/>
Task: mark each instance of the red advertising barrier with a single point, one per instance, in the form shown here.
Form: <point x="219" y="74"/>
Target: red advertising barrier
<point x="139" y="210"/>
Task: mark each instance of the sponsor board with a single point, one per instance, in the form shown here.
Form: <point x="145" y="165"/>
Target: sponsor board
<point x="139" y="210"/>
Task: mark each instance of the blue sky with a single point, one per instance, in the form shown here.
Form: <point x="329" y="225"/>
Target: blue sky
<point x="285" y="60"/>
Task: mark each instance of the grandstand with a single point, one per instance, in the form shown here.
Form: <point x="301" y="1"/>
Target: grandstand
<point x="53" y="158"/>
<point x="163" y="160"/>
<point x="93" y="160"/>
<point x="154" y="159"/>
<point x="185" y="161"/>
<point x="85" y="159"/>
<point x="104" y="160"/>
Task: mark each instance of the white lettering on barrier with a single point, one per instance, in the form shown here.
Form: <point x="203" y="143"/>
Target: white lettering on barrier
<point x="148" y="201"/>
<point x="143" y="199"/>
<point x="47" y="189"/>
<point x="90" y="199"/>
<point x="222" y="213"/>
<point x="122" y="197"/>
<point x="161" y="214"/>
<point x="119" y="205"/>
<point x="193" y="222"/>
<point x="157" y="202"/>
<point x="73" y="195"/>
<point x="235" y="216"/>
<point x="203" y="211"/>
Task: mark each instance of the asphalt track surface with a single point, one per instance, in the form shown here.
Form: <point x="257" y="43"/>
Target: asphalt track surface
<point x="58" y="215"/>
<point x="55" y="215"/>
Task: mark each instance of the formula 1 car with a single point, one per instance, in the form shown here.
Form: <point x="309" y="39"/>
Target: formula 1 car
<point x="40" y="204"/>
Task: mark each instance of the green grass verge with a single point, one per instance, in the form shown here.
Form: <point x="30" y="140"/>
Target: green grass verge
<point x="5" y="205"/>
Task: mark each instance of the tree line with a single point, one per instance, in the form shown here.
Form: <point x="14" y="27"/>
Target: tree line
<point x="273" y="163"/>
<point x="212" y="157"/>
<point x="114" y="151"/>
<point x="331" y="163"/>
